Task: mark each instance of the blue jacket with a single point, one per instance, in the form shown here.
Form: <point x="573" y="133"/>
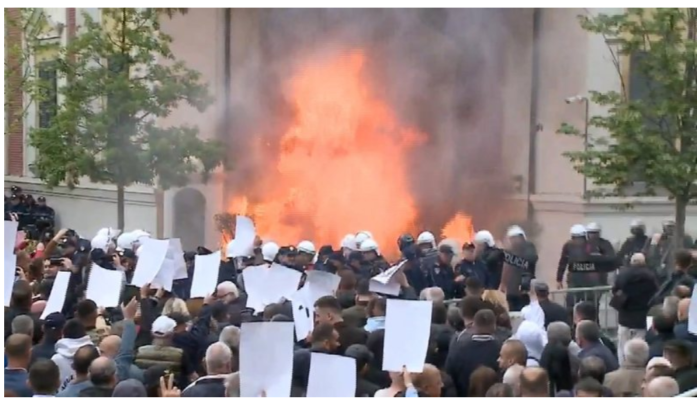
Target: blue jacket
<point x="601" y="351"/>
<point x="125" y="357"/>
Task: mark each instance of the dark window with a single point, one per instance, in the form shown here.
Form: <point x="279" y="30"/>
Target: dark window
<point x="48" y="101"/>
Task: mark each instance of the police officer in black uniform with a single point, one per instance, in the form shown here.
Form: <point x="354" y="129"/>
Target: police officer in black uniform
<point x="519" y="269"/>
<point x="638" y="242"/>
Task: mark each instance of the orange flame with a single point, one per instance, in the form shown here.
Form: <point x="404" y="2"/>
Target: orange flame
<point x="459" y="228"/>
<point x="342" y="163"/>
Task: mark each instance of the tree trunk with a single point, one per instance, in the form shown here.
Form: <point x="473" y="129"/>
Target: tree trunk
<point x="120" y="206"/>
<point x="680" y="214"/>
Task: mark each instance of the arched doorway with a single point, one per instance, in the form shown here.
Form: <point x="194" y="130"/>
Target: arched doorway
<point x="189" y="218"/>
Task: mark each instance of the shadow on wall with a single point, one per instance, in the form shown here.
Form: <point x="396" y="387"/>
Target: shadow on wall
<point x="189" y="218"/>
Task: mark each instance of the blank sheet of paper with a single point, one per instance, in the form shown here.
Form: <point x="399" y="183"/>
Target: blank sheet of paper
<point x="205" y="274"/>
<point x="10" y="260"/>
<point x="266" y="359"/>
<point x="692" y="314"/>
<point x="104" y="286"/>
<point x="59" y="292"/>
<point x="331" y="376"/>
<point x="407" y="330"/>
<point x="165" y="276"/>
<point x="150" y="261"/>
<point x="244" y="237"/>
<point x="10" y="236"/>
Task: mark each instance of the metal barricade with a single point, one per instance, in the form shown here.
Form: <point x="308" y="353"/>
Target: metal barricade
<point x="599" y="295"/>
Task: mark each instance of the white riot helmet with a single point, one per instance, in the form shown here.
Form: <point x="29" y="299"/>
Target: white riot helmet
<point x="578" y="230"/>
<point x="125" y="241"/>
<point x="110" y="233"/>
<point x="369" y="245"/>
<point x="515" y="230"/>
<point x="637" y="223"/>
<point x="307" y="247"/>
<point x="139" y="235"/>
<point x="593" y="227"/>
<point x="349" y="242"/>
<point x="100" y="242"/>
<point x="426" y="238"/>
<point x="361" y="236"/>
<point x="485" y="237"/>
<point x="269" y="251"/>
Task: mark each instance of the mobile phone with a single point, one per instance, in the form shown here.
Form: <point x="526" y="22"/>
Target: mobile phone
<point x="56" y="261"/>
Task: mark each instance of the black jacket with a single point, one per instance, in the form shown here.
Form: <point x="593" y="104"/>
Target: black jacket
<point x="349" y="335"/>
<point x="554" y="312"/>
<point x="633" y="244"/>
<point x="206" y="386"/>
<point x="677" y="278"/>
<point x="96" y="391"/>
<point x="365" y="388"/>
<point x="467" y="355"/>
<point x="635" y="286"/>
<point x="687" y="378"/>
<point x="493" y="258"/>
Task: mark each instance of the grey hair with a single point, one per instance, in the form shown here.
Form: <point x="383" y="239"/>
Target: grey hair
<point x="559" y="332"/>
<point x="230" y="335"/>
<point x="670" y="307"/>
<point x="636" y="353"/>
<point x="512" y="376"/>
<point x="434" y="294"/>
<point x="232" y="385"/>
<point x="218" y="359"/>
<point x="23" y="324"/>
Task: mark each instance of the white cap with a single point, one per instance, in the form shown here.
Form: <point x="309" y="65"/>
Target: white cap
<point x="369" y="245"/>
<point x="593" y="227"/>
<point x="139" y="235"/>
<point x="108" y="232"/>
<point x="349" y="241"/>
<point x="306" y="246"/>
<point x="100" y="242"/>
<point x="426" y="237"/>
<point x="515" y="230"/>
<point x="125" y="241"/>
<point x="269" y="251"/>
<point x="163" y="326"/>
<point x="578" y="230"/>
<point x="484" y="237"/>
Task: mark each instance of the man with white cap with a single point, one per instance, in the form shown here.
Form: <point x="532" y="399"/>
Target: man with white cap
<point x="161" y="351"/>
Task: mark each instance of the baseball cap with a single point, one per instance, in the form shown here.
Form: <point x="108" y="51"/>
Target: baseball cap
<point x="55" y="321"/>
<point x="163" y="326"/>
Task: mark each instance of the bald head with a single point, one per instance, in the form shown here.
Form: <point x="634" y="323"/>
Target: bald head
<point x="428" y="381"/>
<point x="109" y="346"/>
<point x="638" y="259"/>
<point x="663" y="386"/>
<point x="534" y="382"/>
<point x="218" y="359"/>
<point x="103" y="372"/>
<point x="683" y="309"/>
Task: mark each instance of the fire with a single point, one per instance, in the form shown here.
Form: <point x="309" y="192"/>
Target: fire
<point x="342" y="162"/>
<point x="459" y="228"/>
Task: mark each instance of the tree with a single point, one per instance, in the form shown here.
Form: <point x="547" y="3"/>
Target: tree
<point x="24" y="30"/>
<point x="652" y="126"/>
<point x="121" y="78"/>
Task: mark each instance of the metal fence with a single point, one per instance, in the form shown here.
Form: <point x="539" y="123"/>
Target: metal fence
<point x="599" y="295"/>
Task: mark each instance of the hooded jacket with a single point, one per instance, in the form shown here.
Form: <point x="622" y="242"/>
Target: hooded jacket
<point x="65" y="351"/>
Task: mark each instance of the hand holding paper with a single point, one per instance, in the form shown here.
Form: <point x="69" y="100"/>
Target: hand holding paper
<point x="407" y="332"/>
<point x="205" y="275"/>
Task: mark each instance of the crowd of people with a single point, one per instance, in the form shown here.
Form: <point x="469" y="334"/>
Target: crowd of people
<point x="33" y="215"/>
<point x="161" y="343"/>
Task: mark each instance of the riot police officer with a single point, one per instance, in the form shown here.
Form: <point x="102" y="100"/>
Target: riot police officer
<point x="638" y="242"/>
<point x="519" y="270"/>
<point x="491" y="256"/>
<point x="660" y="254"/>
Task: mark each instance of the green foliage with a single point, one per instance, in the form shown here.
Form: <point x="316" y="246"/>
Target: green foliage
<point x="122" y="78"/>
<point x="653" y="138"/>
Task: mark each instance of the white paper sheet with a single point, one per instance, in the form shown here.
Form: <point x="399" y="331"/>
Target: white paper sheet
<point x="407" y="330"/>
<point x="320" y="284"/>
<point x="10" y="236"/>
<point x="254" y="283"/>
<point x="266" y="359"/>
<point x="244" y="238"/>
<point x="649" y="323"/>
<point x="104" y="286"/>
<point x="303" y="314"/>
<point x="385" y="282"/>
<point x="205" y="275"/>
<point x="331" y="376"/>
<point x="281" y="283"/>
<point x="150" y="261"/>
<point x="59" y="291"/>
<point x="175" y="254"/>
<point x="164" y="276"/>
<point x="692" y="315"/>
<point x="10" y="260"/>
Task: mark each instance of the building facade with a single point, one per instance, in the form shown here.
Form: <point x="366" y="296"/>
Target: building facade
<point x="569" y="62"/>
